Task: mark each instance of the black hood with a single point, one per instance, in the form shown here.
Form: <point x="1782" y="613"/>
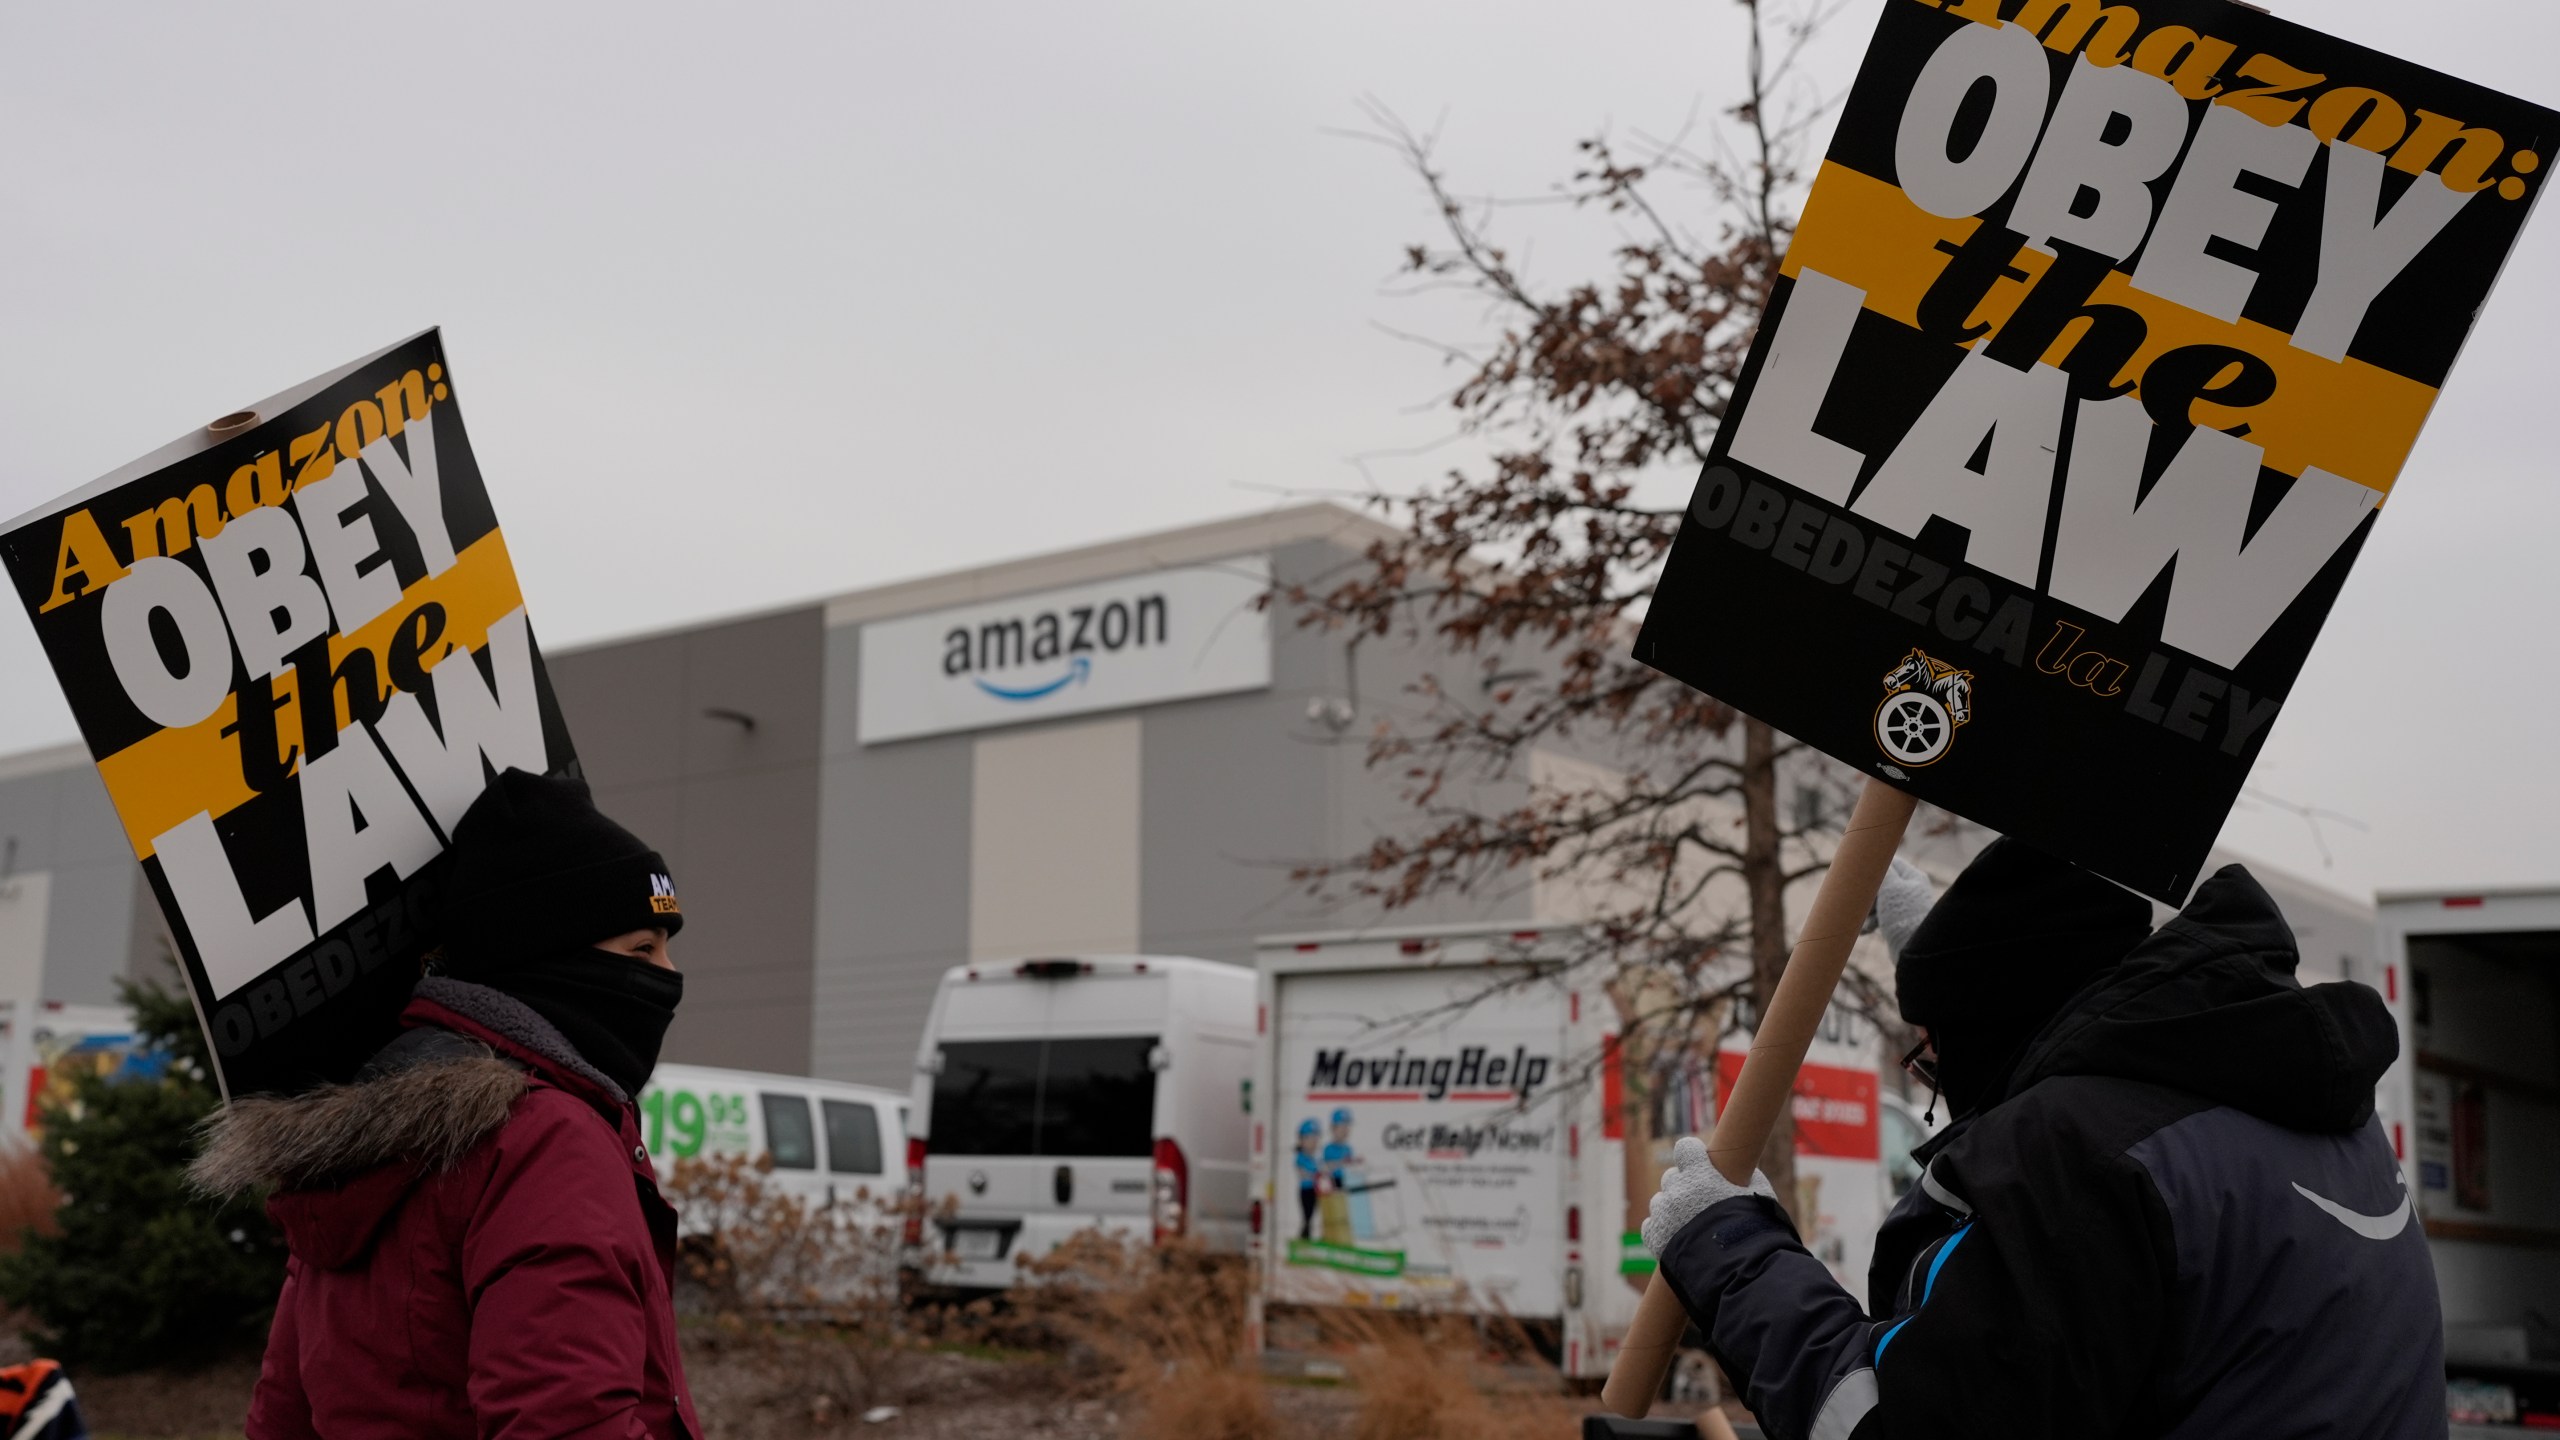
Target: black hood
<point x="2209" y="1005"/>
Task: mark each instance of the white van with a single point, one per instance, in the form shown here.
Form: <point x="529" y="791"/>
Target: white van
<point x="829" y="1142"/>
<point x="1060" y="1095"/>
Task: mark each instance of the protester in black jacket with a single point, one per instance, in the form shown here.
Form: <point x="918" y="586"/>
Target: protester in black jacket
<point x="2165" y="1207"/>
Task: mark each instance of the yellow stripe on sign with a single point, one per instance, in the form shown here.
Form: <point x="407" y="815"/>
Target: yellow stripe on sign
<point x="164" y="778"/>
<point x="2349" y="418"/>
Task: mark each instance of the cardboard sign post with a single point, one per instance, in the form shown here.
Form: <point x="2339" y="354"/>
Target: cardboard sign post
<point x="1767" y="1081"/>
<point x="295" y="644"/>
<point x="2102" y="339"/>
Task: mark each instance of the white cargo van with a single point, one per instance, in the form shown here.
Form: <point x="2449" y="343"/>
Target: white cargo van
<point x="1059" y="1095"/>
<point x="829" y="1142"/>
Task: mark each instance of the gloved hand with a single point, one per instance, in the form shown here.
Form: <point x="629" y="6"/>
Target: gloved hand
<point x="1688" y="1188"/>
<point x="1902" y="902"/>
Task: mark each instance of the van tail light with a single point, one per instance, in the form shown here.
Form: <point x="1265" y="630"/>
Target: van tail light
<point x="915" y="1190"/>
<point x="1172" y="1191"/>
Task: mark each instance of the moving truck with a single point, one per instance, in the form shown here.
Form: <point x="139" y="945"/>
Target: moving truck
<point x="1842" y="1186"/>
<point x="1060" y="1095"/>
<point x="2474" y="1107"/>
<point x="1424" y="1138"/>
<point x="1439" y="1123"/>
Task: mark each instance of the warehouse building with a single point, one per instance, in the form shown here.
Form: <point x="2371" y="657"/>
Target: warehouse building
<point x="1109" y="749"/>
<point x="1104" y="750"/>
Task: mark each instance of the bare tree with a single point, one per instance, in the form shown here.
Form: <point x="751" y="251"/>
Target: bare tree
<point x="1530" y="570"/>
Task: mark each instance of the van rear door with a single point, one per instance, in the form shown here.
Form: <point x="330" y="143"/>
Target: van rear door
<point x="1099" y="1113"/>
<point x="1047" y="1127"/>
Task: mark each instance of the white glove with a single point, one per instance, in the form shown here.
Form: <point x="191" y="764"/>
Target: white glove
<point x="1688" y="1188"/>
<point x="1902" y="902"/>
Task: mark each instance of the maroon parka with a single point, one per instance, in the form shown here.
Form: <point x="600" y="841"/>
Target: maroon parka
<point x="478" y="1246"/>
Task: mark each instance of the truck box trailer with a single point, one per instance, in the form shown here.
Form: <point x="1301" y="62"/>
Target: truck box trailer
<point x="1439" y="1122"/>
<point x="2474" y="1103"/>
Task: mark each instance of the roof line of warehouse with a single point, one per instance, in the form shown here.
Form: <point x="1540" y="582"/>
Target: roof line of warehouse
<point x="2277" y="878"/>
<point x="2440" y="894"/>
<point x="1109" y="559"/>
<point x="1183" y="545"/>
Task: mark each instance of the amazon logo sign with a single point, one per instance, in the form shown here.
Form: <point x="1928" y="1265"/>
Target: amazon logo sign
<point x="1143" y="639"/>
<point x="1074" y="635"/>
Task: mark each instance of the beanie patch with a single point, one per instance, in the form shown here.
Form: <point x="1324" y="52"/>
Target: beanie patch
<point x="537" y="869"/>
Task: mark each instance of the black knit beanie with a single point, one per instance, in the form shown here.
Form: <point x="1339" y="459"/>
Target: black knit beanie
<point x="2016" y="935"/>
<point x="536" y="870"/>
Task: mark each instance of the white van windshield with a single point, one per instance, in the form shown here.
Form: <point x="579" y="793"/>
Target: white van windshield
<point x="1085" y="1096"/>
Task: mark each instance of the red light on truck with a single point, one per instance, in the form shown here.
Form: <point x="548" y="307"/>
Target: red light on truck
<point x="1253" y="1218"/>
<point x="915" y="1190"/>
<point x="1172" y="1190"/>
<point x="1053" y="969"/>
<point x="1409" y="947"/>
<point x="2398" y="1150"/>
<point x="2463" y="902"/>
<point x="1573" y="1224"/>
<point x="2391" y="983"/>
<point x="1306" y="945"/>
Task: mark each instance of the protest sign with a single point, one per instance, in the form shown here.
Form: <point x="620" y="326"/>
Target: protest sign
<point x="293" y="642"/>
<point x="2104" y="335"/>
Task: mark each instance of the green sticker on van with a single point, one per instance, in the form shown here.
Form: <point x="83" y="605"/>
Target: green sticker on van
<point x="682" y="1124"/>
<point x="1381" y="1264"/>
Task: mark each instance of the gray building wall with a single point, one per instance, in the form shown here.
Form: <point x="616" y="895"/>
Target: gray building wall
<point x="893" y="891"/>
<point x="732" y="806"/>
<point x="100" y="921"/>
<point x="1234" y="790"/>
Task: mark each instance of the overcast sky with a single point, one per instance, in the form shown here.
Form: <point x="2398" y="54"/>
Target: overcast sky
<point x="753" y="303"/>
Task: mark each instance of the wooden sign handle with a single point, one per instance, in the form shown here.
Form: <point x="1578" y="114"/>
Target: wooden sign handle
<point x="1787" y="1025"/>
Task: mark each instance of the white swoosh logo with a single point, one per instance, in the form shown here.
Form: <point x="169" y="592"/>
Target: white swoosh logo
<point x="2371" y="1227"/>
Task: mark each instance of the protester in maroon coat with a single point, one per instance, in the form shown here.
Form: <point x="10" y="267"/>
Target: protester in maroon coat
<point x="478" y="1246"/>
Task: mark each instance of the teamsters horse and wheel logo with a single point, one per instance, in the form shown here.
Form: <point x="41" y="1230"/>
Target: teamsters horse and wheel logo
<point x="1925" y="702"/>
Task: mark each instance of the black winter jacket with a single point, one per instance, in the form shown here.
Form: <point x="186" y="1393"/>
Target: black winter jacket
<point x="2181" y="1219"/>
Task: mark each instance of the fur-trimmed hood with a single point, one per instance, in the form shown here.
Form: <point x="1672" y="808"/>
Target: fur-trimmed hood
<point x="343" y="1157"/>
<point x="431" y="1112"/>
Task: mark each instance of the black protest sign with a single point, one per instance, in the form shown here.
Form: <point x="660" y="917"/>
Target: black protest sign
<point x="295" y="646"/>
<point x="2104" y="335"/>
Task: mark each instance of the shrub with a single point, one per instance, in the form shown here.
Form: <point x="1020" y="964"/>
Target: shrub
<point x="1426" y="1377"/>
<point x="1160" y="1324"/>
<point x="806" y="1294"/>
<point x="142" y="1269"/>
<point x="27" y="1197"/>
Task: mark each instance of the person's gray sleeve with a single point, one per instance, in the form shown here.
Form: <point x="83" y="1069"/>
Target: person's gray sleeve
<point x="2040" y="1314"/>
<point x="1788" y="1335"/>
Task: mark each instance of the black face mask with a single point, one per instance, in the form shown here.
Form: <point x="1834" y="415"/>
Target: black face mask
<point x="613" y="1008"/>
<point x="1976" y="1062"/>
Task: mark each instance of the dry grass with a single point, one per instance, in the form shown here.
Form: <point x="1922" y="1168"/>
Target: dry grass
<point x="804" y="1296"/>
<point x="1196" y="1402"/>
<point x="28" y="1200"/>
<point x="1439" y="1378"/>
<point x="1160" y="1325"/>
